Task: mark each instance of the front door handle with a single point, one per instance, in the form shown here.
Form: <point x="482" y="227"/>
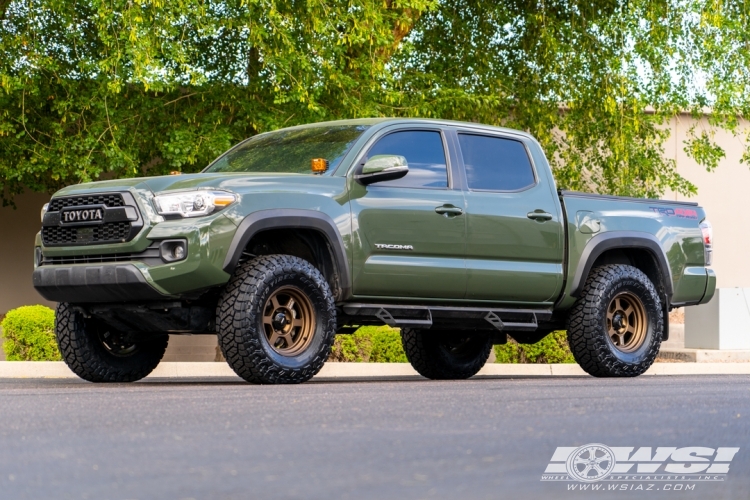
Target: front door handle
<point x="449" y="210"/>
<point x="539" y="215"/>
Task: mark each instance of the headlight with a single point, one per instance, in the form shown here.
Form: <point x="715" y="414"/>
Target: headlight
<point x="193" y="203"/>
<point x="44" y="210"/>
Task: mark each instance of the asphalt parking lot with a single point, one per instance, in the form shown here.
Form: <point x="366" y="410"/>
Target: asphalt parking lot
<point x="481" y="438"/>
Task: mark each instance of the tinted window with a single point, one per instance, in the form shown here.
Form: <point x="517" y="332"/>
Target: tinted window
<point x="424" y="153"/>
<point x="495" y="164"/>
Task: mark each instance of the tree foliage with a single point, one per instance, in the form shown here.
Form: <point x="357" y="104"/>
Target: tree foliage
<point x="93" y="89"/>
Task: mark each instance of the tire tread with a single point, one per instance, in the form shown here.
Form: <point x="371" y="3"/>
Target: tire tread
<point x="422" y="351"/>
<point x="237" y="313"/>
<point x="586" y="335"/>
<point x="91" y="362"/>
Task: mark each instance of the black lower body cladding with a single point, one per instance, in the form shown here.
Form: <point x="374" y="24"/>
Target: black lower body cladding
<point x="615" y="327"/>
<point x="89" y="284"/>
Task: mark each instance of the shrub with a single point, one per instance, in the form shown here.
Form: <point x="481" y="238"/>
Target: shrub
<point x="29" y="334"/>
<point x="369" y="344"/>
<point x="352" y="348"/>
<point x="382" y="344"/>
<point x="551" y="349"/>
<point x="387" y="347"/>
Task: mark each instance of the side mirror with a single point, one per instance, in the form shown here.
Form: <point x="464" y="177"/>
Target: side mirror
<point x="381" y="168"/>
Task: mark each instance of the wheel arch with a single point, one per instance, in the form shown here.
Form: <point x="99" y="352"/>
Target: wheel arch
<point x="641" y="250"/>
<point x="315" y="238"/>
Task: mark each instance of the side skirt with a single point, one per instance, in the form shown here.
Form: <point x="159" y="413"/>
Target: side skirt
<point x="494" y="320"/>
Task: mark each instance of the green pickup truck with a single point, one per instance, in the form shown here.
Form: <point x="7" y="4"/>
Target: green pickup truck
<point x="453" y="232"/>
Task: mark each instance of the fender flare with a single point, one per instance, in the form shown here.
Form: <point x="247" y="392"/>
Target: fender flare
<point x="296" y="219"/>
<point x="620" y="240"/>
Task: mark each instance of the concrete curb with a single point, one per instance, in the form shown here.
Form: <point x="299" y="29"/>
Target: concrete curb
<point x="706" y="355"/>
<point x="364" y="371"/>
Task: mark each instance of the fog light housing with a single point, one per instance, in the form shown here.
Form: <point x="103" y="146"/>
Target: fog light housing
<point x="38" y="257"/>
<point x="173" y="250"/>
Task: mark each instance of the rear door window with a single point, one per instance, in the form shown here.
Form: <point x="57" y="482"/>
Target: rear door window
<point x="495" y="163"/>
<point x="425" y="154"/>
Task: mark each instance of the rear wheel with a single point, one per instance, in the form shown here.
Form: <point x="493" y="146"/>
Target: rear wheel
<point x="615" y="328"/>
<point x="98" y="353"/>
<point x="446" y="356"/>
<point x="276" y="320"/>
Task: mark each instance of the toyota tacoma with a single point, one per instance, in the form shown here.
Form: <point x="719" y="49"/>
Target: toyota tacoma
<point x="453" y="232"/>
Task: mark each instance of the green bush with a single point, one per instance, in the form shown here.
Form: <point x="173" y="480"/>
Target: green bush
<point x="29" y="334"/>
<point x="382" y="344"/>
<point x="387" y="347"/>
<point x="552" y="349"/>
<point x="369" y="344"/>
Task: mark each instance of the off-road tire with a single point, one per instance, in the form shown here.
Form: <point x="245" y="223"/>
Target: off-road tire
<point x="588" y="336"/>
<point x="435" y="356"/>
<point x="83" y="351"/>
<point x="239" y="321"/>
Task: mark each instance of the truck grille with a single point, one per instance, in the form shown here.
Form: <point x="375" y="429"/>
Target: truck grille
<point x="108" y="200"/>
<point x="115" y="226"/>
<point x="112" y="232"/>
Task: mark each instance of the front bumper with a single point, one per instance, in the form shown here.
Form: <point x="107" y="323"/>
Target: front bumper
<point x="87" y="284"/>
<point x="128" y="272"/>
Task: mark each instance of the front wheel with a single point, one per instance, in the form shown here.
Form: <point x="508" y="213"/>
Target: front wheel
<point x="276" y="320"/>
<point x="97" y="353"/>
<point x="446" y="356"/>
<point x="615" y="328"/>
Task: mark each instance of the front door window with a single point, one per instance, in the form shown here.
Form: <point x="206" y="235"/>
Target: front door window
<point x="424" y="153"/>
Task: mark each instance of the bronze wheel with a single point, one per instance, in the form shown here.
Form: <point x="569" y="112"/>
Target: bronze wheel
<point x="289" y="321"/>
<point x="627" y="322"/>
<point x="616" y="325"/>
<point x="276" y="320"/>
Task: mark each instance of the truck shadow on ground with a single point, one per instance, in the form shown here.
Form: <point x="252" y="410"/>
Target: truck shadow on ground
<point x="57" y="383"/>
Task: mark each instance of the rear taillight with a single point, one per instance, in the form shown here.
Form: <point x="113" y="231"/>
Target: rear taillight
<point x="708" y="240"/>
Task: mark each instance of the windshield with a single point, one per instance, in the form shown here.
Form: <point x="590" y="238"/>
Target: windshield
<point x="290" y="151"/>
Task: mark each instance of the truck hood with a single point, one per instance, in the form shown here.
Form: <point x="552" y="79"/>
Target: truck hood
<point x="229" y="181"/>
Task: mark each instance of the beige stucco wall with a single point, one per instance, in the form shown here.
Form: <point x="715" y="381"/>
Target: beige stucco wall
<point x="724" y="193"/>
<point x="17" y="230"/>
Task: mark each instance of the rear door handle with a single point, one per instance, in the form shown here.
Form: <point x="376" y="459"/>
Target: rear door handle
<point x="449" y="210"/>
<point x="539" y="215"/>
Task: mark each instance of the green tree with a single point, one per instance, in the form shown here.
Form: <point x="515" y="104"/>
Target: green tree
<point x="93" y="89"/>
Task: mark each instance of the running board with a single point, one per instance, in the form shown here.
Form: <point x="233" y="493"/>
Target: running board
<point x="386" y="317"/>
<point x="514" y="320"/>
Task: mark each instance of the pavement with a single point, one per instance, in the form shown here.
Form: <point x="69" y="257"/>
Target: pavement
<point x="366" y="371"/>
<point x="486" y="438"/>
